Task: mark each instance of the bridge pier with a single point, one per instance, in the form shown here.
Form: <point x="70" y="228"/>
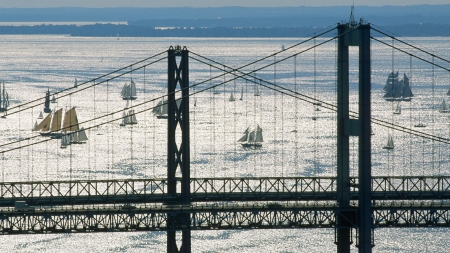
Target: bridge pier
<point x="178" y="156"/>
<point x="354" y="35"/>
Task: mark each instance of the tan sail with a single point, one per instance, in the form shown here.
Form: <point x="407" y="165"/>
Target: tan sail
<point x="44" y="126"/>
<point x="56" y="123"/>
<point x="70" y="121"/>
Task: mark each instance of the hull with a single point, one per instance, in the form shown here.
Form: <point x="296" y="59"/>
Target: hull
<point x="129" y="98"/>
<point x="251" y="145"/>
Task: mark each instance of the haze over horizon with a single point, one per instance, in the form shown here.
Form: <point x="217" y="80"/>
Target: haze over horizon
<point x="209" y="3"/>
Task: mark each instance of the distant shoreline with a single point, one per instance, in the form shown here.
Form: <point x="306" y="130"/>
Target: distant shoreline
<point x="124" y="30"/>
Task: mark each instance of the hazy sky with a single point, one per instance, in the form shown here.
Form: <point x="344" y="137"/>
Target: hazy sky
<point x="205" y="3"/>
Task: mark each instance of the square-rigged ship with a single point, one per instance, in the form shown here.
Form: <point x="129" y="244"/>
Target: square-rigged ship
<point x="397" y="90"/>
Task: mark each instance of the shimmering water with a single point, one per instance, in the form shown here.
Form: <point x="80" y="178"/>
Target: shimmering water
<point x="294" y="143"/>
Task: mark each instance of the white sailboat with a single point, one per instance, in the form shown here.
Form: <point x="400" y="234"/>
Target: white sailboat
<point x="41" y="116"/>
<point x="257" y="91"/>
<point x="252" y="139"/>
<point x="129" y="118"/>
<point x="390" y="143"/>
<point x="231" y="99"/>
<point x="53" y="99"/>
<point x="129" y="91"/>
<point x="54" y="126"/>
<point x="161" y="109"/>
<point x="397" y="109"/>
<point x="443" y="108"/>
<point x="4" y="99"/>
<point x="77" y="137"/>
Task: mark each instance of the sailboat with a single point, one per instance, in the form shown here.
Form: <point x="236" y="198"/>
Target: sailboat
<point x="77" y="137"/>
<point x="397" y="109"/>
<point x="420" y="124"/>
<point x="397" y="90"/>
<point x="231" y="99"/>
<point x="443" y="108"/>
<point x="129" y="118"/>
<point x="75" y="85"/>
<point x="161" y="110"/>
<point x="51" y="126"/>
<point x="53" y="99"/>
<point x="129" y="91"/>
<point x="47" y="102"/>
<point x="64" y="141"/>
<point x="257" y="91"/>
<point x="390" y="143"/>
<point x="252" y="139"/>
<point x="41" y="116"/>
<point x="282" y="47"/>
<point x="242" y="94"/>
<point x="4" y="99"/>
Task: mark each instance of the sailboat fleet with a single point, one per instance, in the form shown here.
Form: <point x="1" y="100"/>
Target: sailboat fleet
<point x="4" y="99"/>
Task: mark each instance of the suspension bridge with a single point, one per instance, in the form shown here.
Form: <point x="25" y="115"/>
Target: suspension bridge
<point x="293" y="140"/>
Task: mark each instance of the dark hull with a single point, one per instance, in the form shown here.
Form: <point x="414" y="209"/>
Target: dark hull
<point x="129" y="98"/>
<point x="251" y="145"/>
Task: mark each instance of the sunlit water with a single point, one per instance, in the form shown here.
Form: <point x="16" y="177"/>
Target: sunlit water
<point x="294" y="143"/>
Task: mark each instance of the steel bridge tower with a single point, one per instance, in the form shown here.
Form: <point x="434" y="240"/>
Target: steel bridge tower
<point x="352" y="34"/>
<point x="178" y="156"/>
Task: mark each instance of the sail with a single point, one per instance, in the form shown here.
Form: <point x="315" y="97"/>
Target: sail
<point x="40" y="115"/>
<point x="443" y="107"/>
<point x="132" y="89"/>
<point x="158" y="107"/>
<point x="390" y="143"/>
<point x="56" y="122"/>
<point x="76" y="83"/>
<point x="124" y="118"/>
<point x="70" y="121"/>
<point x="53" y="99"/>
<point x="251" y="136"/>
<point x="64" y="141"/>
<point x="245" y="136"/>
<point x="45" y="124"/>
<point x="231" y="97"/>
<point x="242" y="93"/>
<point x="132" y="117"/>
<point x="257" y="93"/>
<point x="398" y="109"/>
<point x="82" y="137"/>
<point x="258" y="137"/>
<point x="407" y="93"/>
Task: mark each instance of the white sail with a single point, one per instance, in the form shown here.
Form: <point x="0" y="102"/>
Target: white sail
<point x="245" y="136"/>
<point x="53" y="99"/>
<point x="258" y="137"/>
<point x="132" y="89"/>
<point x="64" y="141"/>
<point x="76" y="83"/>
<point x="443" y="108"/>
<point x="398" y="109"/>
<point x="35" y="125"/>
<point x="82" y="137"/>
<point x="390" y="143"/>
<point x="124" y="119"/>
<point x="132" y="117"/>
<point x="231" y="97"/>
<point x="41" y="116"/>
<point x="242" y="93"/>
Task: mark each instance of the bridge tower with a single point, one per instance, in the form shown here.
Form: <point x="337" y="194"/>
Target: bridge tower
<point x="352" y="34"/>
<point x="178" y="155"/>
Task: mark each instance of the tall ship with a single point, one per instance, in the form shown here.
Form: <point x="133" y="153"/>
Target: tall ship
<point x="397" y="89"/>
<point x="129" y="91"/>
<point x="252" y="138"/>
<point x="4" y="99"/>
